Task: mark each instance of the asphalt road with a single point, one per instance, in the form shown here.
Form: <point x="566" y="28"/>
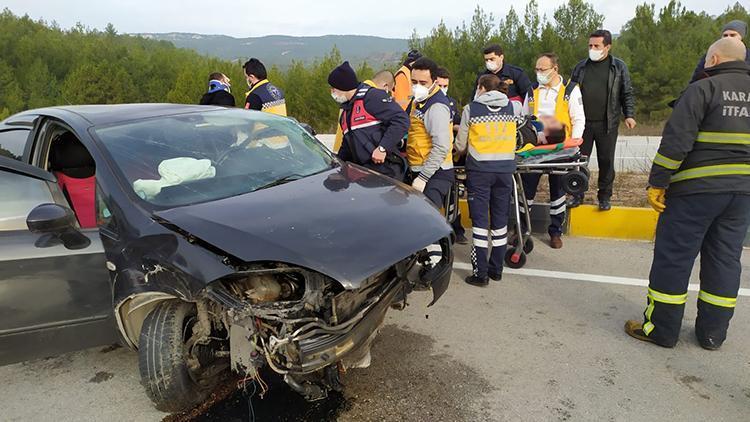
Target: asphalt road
<point x="543" y="345"/>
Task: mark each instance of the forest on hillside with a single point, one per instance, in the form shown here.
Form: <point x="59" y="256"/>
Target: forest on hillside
<point x="42" y="64"/>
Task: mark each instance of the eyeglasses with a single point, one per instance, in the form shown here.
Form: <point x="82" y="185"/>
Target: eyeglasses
<point x="536" y="69"/>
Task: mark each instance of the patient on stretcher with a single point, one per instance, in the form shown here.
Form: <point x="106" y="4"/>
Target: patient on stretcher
<point x="545" y="130"/>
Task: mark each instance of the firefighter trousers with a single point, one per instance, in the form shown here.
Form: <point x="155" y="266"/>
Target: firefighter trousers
<point x="714" y="225"/>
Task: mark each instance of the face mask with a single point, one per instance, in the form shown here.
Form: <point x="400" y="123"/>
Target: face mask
<point x="341" y="99"/>
<point x="491" y="65"/>
<point x="420" y="92"/>
<point x="596" y="55"/>
<point x="544" y="78"/>
<point x="445" y="90"/>
<point x="477" y="94"/>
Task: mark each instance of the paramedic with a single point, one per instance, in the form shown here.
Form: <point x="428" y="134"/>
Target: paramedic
<point x="488" y="133"/>
<point x="700" y="183"/>
<point x="429" y="146"/>
<point x="562" y="100"/>
<point x="263" y="95"/>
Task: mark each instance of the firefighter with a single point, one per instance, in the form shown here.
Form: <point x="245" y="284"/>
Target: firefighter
<point x="371" y="123"/>
<point x="430" y="140"/>
<point x="562" y="100"/>
<point x="700" y="183"/>
<point x="488" y="132"/>
<point x="262" y="96"/>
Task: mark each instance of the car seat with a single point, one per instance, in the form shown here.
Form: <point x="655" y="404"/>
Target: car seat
<point x="75" y="170"/>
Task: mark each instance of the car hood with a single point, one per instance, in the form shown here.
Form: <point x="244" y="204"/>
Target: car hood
<point x="347" y="223"/>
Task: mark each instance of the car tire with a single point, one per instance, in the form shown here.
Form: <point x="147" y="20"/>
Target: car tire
<point x="162" y="358"/>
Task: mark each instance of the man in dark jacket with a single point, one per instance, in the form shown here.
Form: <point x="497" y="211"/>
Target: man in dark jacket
<point x="371" y="122"/>
<point x="444" y="81"/>
<point x="519" y="84"/>
<point x="219" y="91"/>
<point x="607" y="95"/>
<point x="700" y="182"/>
<point x="734" y="29"/>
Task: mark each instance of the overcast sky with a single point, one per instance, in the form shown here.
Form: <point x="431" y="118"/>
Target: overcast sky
<point x="246" y="18"/>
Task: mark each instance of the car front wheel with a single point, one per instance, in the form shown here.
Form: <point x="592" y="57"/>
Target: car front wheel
<point x="163" y="358"/>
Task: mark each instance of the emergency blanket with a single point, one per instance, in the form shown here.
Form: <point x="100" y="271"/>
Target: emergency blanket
<point x="174" y="171"/>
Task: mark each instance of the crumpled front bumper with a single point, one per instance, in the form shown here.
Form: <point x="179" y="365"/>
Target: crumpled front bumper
<point x="320" y="351"/>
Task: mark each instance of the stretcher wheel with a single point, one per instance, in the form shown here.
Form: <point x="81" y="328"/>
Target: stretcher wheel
<point x="585" y="170"/>
<point x="515" y="259"/>
<point x="575" y="183"/>
<point x="528" y="246"/>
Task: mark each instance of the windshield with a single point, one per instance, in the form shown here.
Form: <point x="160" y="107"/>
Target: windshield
<point x="189" y="158"/>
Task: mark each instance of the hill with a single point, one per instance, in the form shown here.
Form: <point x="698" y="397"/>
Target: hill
<point x="281" y="49"/>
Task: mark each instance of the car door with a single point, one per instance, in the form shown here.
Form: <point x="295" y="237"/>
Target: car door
<point x="52" y="299"/>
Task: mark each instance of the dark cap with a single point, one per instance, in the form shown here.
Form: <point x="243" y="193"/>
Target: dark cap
<point x="738" y="26"/>
<point x="343" y="78"/>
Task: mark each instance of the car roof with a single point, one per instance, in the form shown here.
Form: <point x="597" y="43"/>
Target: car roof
<point x="106" y="114"/>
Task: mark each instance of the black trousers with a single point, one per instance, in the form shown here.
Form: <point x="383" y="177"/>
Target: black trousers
<point x="557" y="205"/>
<point x="596" y="133"/>
<point x="714" y="225"/>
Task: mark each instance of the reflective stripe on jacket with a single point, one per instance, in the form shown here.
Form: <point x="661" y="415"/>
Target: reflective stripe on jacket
<point x="705" y="147"/>
<point x="492" y="138"/>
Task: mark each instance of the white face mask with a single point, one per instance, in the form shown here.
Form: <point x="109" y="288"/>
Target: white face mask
<point x="445" y="90"/>
<point x="420" y="92"/>
<point x="477" y="94"/>
<point x="544" y="78"/>
<point x="596" y="55"/>
<point x="491" y="65"/>
<point x="339" y="98"/>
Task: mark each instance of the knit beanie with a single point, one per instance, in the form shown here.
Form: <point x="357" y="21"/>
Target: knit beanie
<point x="343" y="78"/>
<point x="736" y="25"/>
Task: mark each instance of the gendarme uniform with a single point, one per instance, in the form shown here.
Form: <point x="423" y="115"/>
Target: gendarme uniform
<point x="704" y="163"/>
<point x="264" y="96"/>
<point x="564" y="102"/>
<point x="429" y="150"/>
<point x="488" y="131"/>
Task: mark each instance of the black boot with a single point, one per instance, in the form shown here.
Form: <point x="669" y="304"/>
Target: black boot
<point x="477" y="281"/>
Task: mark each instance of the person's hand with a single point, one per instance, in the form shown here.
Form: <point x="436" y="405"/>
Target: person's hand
<point x="419" y="184"/>
<point x="630" y="123"/>
<point x="378" y="156"/>
<point x="657" y="198"/>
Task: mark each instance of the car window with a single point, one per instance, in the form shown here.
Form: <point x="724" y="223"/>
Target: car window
<point x="197" y="157"/>
<point x="13" y="142"/>
<point x="20" y="195"/>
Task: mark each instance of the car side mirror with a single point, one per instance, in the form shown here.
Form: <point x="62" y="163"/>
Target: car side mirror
<point x="57" y="225"/>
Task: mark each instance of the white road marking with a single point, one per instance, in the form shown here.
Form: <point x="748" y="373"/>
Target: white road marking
<point x="605" y="279"/>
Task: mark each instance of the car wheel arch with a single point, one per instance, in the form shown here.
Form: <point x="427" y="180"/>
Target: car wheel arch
<point x="133" y="310"/>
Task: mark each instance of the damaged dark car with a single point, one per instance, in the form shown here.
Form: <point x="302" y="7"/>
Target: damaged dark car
<point x="208" y="239"/>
